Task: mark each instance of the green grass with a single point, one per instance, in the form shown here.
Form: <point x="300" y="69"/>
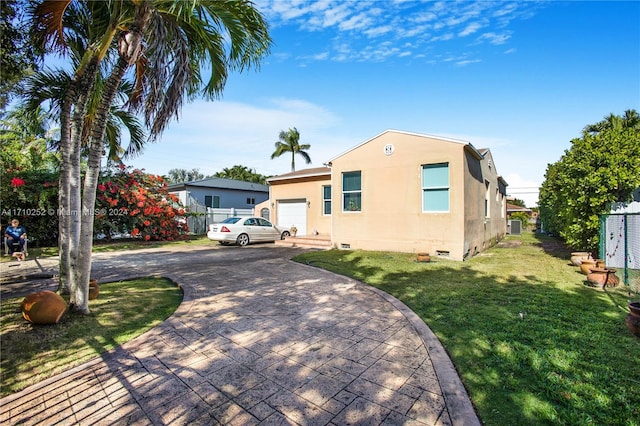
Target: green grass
<point x="532" y="343"/>
<point x="123" y="310"/>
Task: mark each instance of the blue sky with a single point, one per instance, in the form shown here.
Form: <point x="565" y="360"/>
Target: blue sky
<point x="520" y="78"/>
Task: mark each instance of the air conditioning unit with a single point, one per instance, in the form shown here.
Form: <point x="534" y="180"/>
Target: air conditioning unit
<point x="514" y="227"/>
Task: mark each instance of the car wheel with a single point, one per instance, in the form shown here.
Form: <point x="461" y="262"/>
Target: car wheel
<point x="284" y="235"/>
<point x="242" y="240"/>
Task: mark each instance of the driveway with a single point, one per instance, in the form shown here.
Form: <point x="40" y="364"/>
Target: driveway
<point x="258" y="339"/>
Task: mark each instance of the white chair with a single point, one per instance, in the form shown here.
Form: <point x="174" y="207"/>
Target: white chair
<point x="25" y="247"/>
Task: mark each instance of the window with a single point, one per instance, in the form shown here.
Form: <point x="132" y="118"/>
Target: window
<point x="351" y="192"/>
<point x="326" y="199"/>
<point x="251" y="200"/>
<point x="487" y="199"/>
<point x="435" y="187"/>
<point x="212" y="201"/>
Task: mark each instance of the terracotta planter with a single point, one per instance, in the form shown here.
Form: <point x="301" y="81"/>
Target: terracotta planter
<point x="578" y="256"/>
<point x="423" y="257"/>
<point x="633" y="324"/>
<point x="600" y="263"/>
<point x="587" y="265"/>
<point x="603" y="277"/>
<point x="94" y="289"/>
<point x="43" y="307"/>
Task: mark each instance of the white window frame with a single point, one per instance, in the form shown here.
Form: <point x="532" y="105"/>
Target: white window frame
<point x="429" y="188"/>
<point x="344" y="193"/>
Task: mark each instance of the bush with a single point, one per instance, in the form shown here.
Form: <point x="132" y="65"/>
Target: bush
<point x="138" y="203"/>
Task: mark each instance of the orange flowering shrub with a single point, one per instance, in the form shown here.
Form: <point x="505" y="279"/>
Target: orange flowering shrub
<point x="139" y="204"/>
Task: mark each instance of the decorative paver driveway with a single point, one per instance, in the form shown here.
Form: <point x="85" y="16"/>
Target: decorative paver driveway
<point x="258" y="339"/>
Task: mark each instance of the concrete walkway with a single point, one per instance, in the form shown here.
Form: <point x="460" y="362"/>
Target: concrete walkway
<point x="258" y="339"/>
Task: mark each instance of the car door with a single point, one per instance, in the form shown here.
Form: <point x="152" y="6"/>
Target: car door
<point x="253" y="229"/>
<point x="269" y="231"/>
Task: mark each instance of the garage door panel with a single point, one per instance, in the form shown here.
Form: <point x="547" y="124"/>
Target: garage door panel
<point x="292" y="213"/>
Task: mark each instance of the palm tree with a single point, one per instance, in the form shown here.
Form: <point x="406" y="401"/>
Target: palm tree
<point x="242" y="173"/>
<point x="168" y="44"/>
<point x="630" y="120"/>
<point x="290" y="142"/>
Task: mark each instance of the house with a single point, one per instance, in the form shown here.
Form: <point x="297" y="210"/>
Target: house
<point x="220" y="193"/>
<point x="397" y="191"/>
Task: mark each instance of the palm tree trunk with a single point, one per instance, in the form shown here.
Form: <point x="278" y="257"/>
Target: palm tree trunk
<point x="130" y="44"/>
<point x="63" y="189"/>
<point x="70" y="172"/>
<point x="92" y="174"/>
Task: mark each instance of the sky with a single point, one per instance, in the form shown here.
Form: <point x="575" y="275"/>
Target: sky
<point x="520" y="78"/>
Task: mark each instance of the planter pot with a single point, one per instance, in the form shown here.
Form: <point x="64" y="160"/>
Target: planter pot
<point x="578" y="256"/>
<point x="94" y="289"/>
<point x="633" y="324"/>
<point x="600" y="263"/>
<point x="603" y="277"/>
<point x="43" y="307"/>
<point x="587" y="265"/>
<point x="423" y="257"/>
<point x="634" y="307"/>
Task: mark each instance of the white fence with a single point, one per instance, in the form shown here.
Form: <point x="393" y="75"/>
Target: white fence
<point x="200" y="217"/>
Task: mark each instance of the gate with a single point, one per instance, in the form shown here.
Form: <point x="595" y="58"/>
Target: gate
<point x="620" y="246"/>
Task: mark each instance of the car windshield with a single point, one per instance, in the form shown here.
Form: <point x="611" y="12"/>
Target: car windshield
<point x="231" y="220"/>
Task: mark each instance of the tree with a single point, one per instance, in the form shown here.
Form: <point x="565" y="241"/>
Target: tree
<point x="166" y="45"/>
<point x="17" y="55"/>
<point x="242" y="173"/>
<point x="184" y="175"/>
<point x="517" y="202"/>
<point x="601" y="167"/>
<point x="140" y="204"/>
<point x="290" y="142"/>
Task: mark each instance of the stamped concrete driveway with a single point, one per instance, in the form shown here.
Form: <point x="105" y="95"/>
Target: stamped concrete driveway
<point x="258" y="339"/>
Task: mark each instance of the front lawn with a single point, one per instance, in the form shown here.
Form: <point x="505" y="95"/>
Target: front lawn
<point x="532" y="343"/>
<point x="123" y="310"/>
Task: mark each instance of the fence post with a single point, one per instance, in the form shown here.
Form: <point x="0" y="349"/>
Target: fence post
<point x="602" y="244"/>
<point x="626" y="250"/>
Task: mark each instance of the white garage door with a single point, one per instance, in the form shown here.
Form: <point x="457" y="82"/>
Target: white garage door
<point x="291" y="213"/>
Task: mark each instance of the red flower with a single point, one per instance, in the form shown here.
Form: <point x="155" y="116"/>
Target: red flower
<point x="101" y="187"/>
<point x="16" y="182"/>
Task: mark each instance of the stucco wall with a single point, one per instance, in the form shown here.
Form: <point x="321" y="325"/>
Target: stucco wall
<point x="308" y="189"/>
<point x="482" y="231"/>
<point x="391" y="217"/>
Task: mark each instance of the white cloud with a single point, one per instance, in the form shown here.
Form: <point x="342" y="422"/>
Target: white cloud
<point x="361" y="24"/>
<point x="214" y="135"/>
<point x="470" y="29"/>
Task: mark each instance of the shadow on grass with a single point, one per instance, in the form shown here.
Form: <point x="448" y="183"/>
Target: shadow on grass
<point x="31" y="353"/>
<point x="529" y="348"/>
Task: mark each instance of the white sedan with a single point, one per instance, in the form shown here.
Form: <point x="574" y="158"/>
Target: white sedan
<point x="245" y="230"/>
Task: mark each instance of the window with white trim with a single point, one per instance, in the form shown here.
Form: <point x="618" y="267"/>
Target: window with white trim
<point x="326" y="200"/>
<point x="435" y="187"/>
<point x="351" y="191"/>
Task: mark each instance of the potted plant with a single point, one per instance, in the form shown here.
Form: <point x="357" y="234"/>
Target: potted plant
<point x="633" y="318"/>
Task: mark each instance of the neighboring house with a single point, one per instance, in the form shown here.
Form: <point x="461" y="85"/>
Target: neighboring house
<point x="398" y="191"/>
<point x="220" y="193"/>
<point x="514" y="208"/>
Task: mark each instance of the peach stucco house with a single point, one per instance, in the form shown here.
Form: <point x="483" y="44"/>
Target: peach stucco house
<point x="397" y="191"/>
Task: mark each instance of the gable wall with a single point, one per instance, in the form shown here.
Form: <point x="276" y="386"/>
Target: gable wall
<point x="391" y="217"/>
<point x="483" y="231"/>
